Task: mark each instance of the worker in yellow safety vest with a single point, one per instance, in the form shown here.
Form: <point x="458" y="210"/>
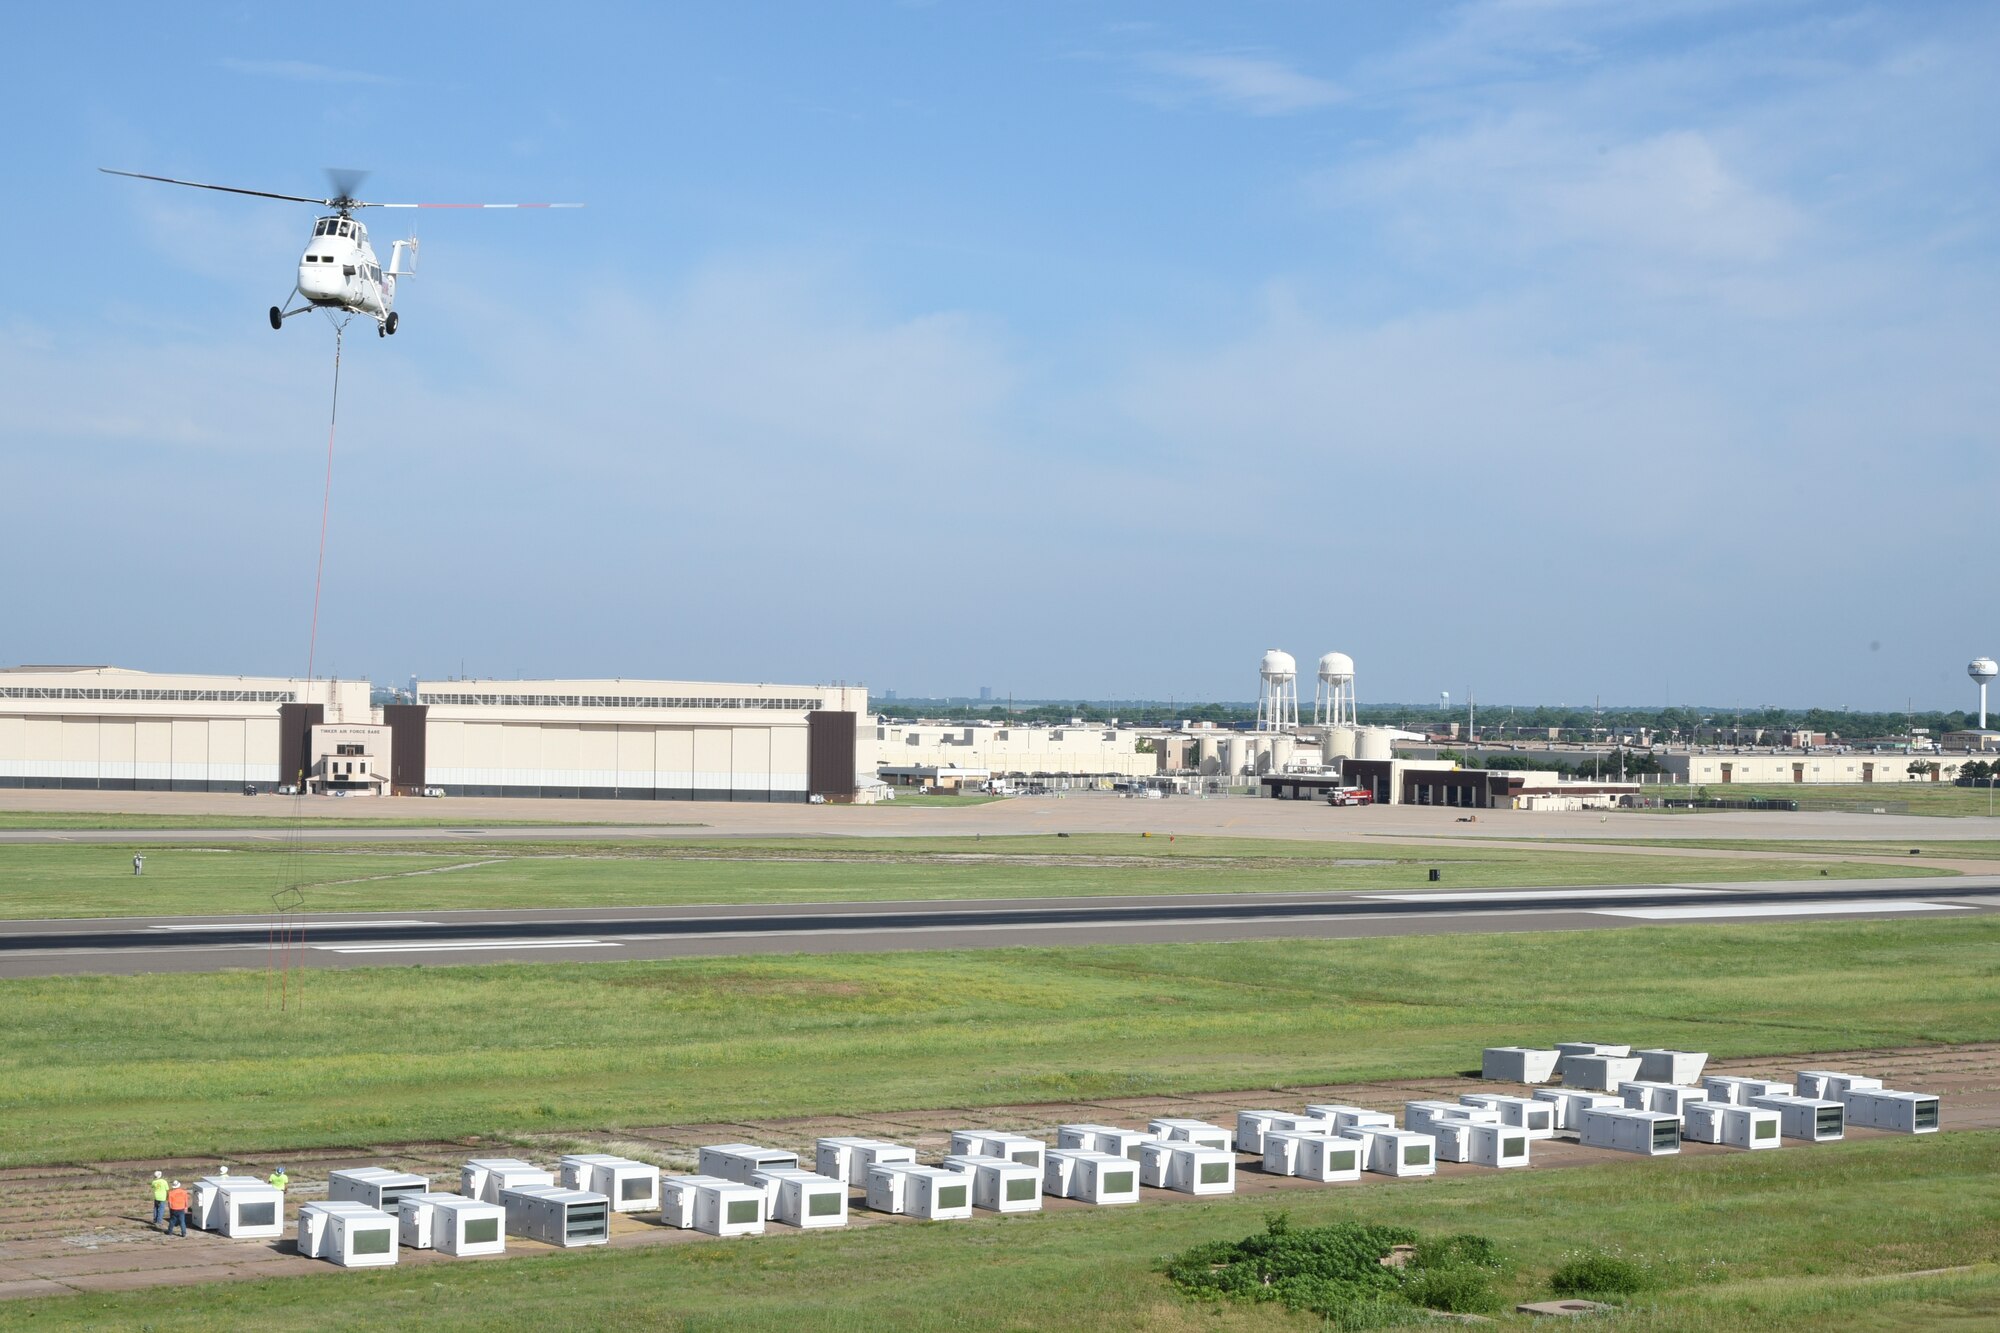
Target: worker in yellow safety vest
<point x="159" y="1186"/>
<point x="279" y="1179"/>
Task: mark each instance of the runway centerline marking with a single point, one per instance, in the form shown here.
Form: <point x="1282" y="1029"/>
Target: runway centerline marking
<point x="465" y="946"/>
<point x="295" y="924"/>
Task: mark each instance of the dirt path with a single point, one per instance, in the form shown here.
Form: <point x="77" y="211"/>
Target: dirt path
<point x="86" y="1228"/>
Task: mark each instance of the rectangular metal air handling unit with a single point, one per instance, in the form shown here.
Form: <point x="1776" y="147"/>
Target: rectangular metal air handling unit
<point x="632" y="1187"/>
<point x="1251" y="1126"/>
<point x="452" y="1224"/>
<point x="803" y="1199"/>
<point x="1423" y="1117"/>
<point x="712" y="1205"/>
<point x="1622" y="1129"/>
<point x="350" y="1234"/>
<point x="1884" y="1108"/>
<point x="1092" y="1177"/>
<point x="1000" y="1184"/>
<point x="929" y="1192"/>
<point x="1339" y="1118"/>
<point x="1518" y="1064"/>
<point x="568" y="1218"/>
<point x="1565" y="1049"/>
<point x="1108" y="1139"/>
<point x="1569" y="1105"/>
<point x="375" y="1186"/>
<point x="989" y="1143"/>
<point x="241" y="1208"/>
<point x="1658" y="1064"/>
<point x="1738" y="1091"/>
<point x="1529" y="1114"/>
<point x="1733" y="1126"/>
<point x="1187" y="1168"/>
<point x="1395" y="1152"/>
<point x="850" y="1159"/>
<point x="1174" y="1129"/>
<point x="1320" y="1157"/>
<point x="1480" y="1144"/>
<point x="1599" y="1073"/>
<point x="1831" y="1085"/>
<point x="741" y="1161"/>
<point x="483" y="1178"/>
<point x="1813" y="1119"/>
<point x="1671" y="1098"/>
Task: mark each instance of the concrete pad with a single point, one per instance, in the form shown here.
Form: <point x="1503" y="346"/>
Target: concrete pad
<point x="23" y="1288"/>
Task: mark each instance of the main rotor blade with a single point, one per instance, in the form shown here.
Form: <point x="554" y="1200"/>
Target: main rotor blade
<point x="468" y="205"/>
<point x="226" y="189"/>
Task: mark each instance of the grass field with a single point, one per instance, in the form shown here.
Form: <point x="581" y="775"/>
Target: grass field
<point x="1791" y="1240"/>
<point x="90" y="880"/>
<point x="93" y="1068"/>
<point x="1968" y="849"/>
<point x="1905" y="797"/>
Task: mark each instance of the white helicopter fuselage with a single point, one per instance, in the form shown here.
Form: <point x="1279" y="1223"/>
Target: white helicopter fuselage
<point x="339" y="270"/>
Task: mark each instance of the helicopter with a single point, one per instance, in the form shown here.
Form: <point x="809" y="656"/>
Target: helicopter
<point x="339" y="270"/>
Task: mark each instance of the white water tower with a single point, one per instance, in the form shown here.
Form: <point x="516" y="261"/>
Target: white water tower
<point x="1983" y="669"/>
<point x="1333" y="701"/>
<point x="1278" y="695"/>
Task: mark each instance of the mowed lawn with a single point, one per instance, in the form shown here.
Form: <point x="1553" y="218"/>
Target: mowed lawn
<point x="240" y="877"/>
<point x="1842" y="1236"/>
<point x="96" y="1068"/>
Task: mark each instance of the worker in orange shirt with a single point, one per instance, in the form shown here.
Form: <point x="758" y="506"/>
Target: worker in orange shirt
<point x="177" y="1208"/>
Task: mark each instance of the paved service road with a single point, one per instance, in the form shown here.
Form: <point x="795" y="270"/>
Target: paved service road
<point x="189" y="944"/>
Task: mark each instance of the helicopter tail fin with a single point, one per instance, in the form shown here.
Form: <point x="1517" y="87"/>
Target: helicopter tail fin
<point x="403" y="258"/>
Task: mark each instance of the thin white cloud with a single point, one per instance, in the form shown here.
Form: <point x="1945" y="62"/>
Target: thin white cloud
<point x="1259" y="85"/>
<point x="301" y="71"/>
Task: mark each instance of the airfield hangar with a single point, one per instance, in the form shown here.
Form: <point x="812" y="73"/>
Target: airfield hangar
<point x="110" y="729"/>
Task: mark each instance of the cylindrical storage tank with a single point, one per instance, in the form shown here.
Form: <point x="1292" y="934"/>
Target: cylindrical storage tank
<point x="1337" y="744"/>
<point x="1283" y="749"/>
<point x="1373" y="743"/>
<point x="1209" y="751"/>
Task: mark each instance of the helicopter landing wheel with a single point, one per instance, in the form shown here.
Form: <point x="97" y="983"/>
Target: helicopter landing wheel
<point x="277" y="318"/>
<point x="381" y="332"/>
<point x="391" y="325"/>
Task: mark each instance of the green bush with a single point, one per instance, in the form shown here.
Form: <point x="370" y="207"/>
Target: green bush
<point x="1459" y="1288"/>
<point x="1337" y="1272"/>
<point x="1599" y="1273"/>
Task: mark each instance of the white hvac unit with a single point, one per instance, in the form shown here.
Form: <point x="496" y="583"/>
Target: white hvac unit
<point x="1093" y="1177"/>
<point x="1882" y="1108"/>
<point x="919" y="1191"/>
<point x="1014" y="1147"/>
<point x="483" y="1178"/>
<point x="1813" y="1119"/>
<point x="1172" y="1129"/>
<point x="1565" y="1049"/>
<point x="851" y="1159"/>
<point x="712" y="1205"/>
<point x="1569" y="1104"/>
<point x="350" y="1234"/>
<point x="803" y="1199"/>
<point x="555" y="1216"/>
<point x="1529" y="1114"/>
<point x="1737" y="1091"/>
<point x="1108" y="1139"/>
<point x="241" y="1208"/>
<point x="1518" y="1064"/>
<point x="999" y="1184"/>
<point x="1671" y="1098"/>
<point x="375" y="1186"/>
<point x="1251" y="1126"/>
<point x="1735" y="1126"/>
<point x="1395" y="1152"/>
<point x="1599" y="1073"/>
<point x="205" y="1199"/>
<point x="1320" y="1157"/>
<point x="1187" y="1168"/>
<point x="452" y="1224"/>
<point x="632" y="1187"/>
<point x="1622" y="1129"/>
<point x="1423" y="1117"/>
<point x="1481" y="1144"/>
<point x="1657" y="1064"/>
<point x="740" y="1161"/>
<point x="1831" y="1085"/>
<point x="1338" y="1119"/>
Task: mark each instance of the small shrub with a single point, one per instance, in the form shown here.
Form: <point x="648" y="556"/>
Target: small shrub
<point x="1458" y="1288"/>
<point x="1598" y="1273"/>
<point x="1337" y="1272"/>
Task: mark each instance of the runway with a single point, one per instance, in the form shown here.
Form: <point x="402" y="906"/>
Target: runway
<point x="130" y="945"/>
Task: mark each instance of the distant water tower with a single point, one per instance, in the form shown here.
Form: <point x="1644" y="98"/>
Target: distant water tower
<point x="1983" y="669"/>
<point x="1278" y="697"/>
<point x="1333" y="701"/>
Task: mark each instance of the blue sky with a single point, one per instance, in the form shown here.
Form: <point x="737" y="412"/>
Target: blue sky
<point x="1538" y="348"/>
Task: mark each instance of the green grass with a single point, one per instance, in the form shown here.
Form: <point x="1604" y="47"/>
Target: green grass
<point x="116" y="1067"/>
<point x="93" y="880"/>
<point x="1970" y="849"/>
<point x="1799" y="1239"/>
<point x="1896" y="798"/>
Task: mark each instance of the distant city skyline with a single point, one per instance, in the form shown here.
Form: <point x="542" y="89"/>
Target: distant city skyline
<point x="1539" y="350"/>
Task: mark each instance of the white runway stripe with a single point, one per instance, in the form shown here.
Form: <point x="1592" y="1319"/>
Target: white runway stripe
<point x="461" y="946"/>
<point x="1518" y="895"/>
<point x="297" y="923"/>
<point x="1695" y="911"/>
